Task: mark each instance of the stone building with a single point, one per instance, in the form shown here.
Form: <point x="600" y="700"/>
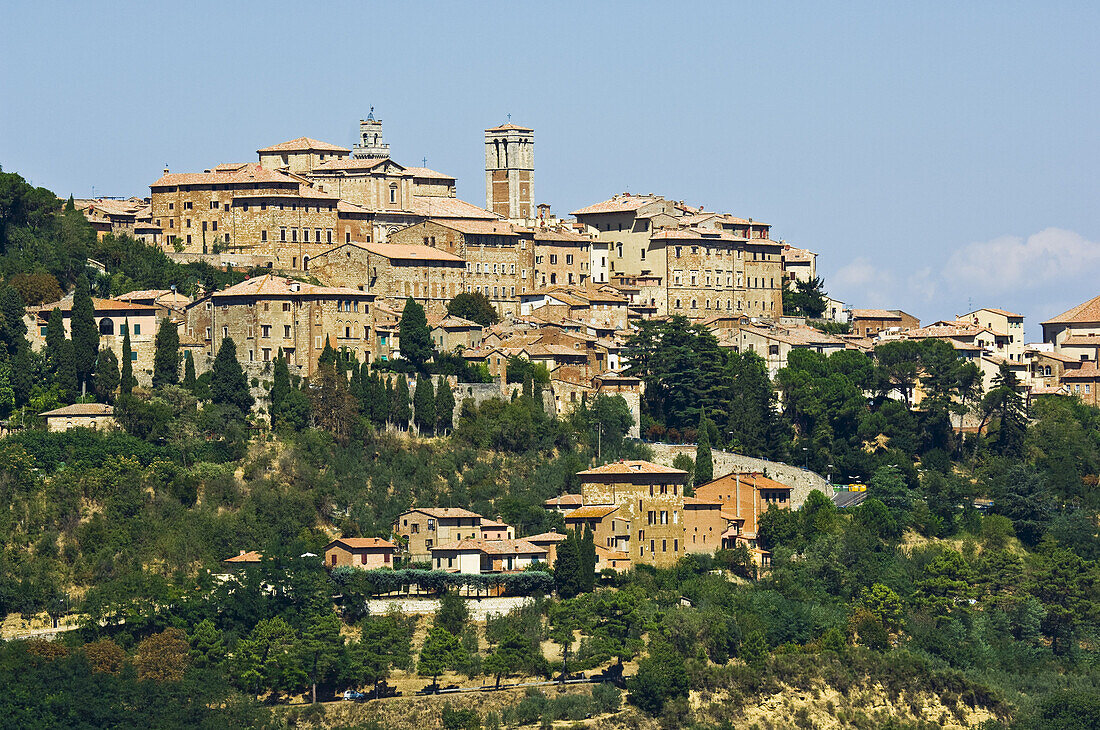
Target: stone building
<point x="366" y="553"/>
<point x="561" y="257"/>
<point x="869" y="322"/>
<point x="301" y="155"/>
<point x="394" y="272"/>
<point x="271" y="313"/>
<point x="625" y="223"/>
<point x="114" y="318"/>
<point x="425" y="528"/>
<point x="799" y="264"/>
<point x="648" y="496"/>
<point x="245" y="209"/>
<point x="130" y="217"/>
<point x="454" y="334"/>
<point x="96" y="416"/>
<point x="703" y="525"/>
<point x="716" y="271"/>
<point x="498" y="258"/>
<point x="744" y="496"/>
<point x="510" y="171"/>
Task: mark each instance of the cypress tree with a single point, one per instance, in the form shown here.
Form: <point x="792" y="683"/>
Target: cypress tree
<point x="379" y="400"/>
<point x="280" y="388"/>
<point x="228" y="384"/>
<point x="166" y="358"/>
<point x="85" y="333"/>
<point x="444" y="406"/>
<point x="399" y="410"/>
<point x="127" y="382"/>
<point x="106" y="376"/>
<point x="704" y="461"/>
<point x="416" y="338"/>
<point x="424" y="405"/>
<point x="328" y="355"/>
<point x="7" y="393"/>
<point x="567" y="567"/>
<point x="22" y="373"/>
<point x="13" y="330"/>
<point x="188" y="371"/>
<point x="55" y="335"/>
<point x="587" y="550"/>
<point x="67" y="378"/>
<point x="70" y="205"/>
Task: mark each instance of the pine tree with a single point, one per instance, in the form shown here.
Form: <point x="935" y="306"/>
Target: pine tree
<point x="228" y="384"/>
<point x="444" y="406"/>
<point x="67" y="378"/>
<point x="85" y="332"/>
<point x="399" y="409"/>
<point x="424" y="405"/>
<point x="166" y="358"/>
<point x="106" y="376"/>
<point x="127" y="381"/>
<point x="416" y="338"/>
<point x="704" y="461"/>
<point x="188" y="372"/>
<point x="55" y="335"/>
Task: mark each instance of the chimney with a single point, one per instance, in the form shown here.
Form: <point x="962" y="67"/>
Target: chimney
<point x="165" y="168"/>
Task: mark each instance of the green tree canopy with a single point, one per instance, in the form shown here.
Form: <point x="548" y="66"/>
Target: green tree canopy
<point x="416" y="338"/>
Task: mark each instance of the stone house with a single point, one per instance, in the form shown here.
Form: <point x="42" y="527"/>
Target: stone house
<point x="427" y="527"/>
<point x="561" y="257"/>
<point x="271" y="313"/>
<point x="454" y="334"/>
<point x="114" y="318"/>
<point x="394" y="272"/>
<point x="744" y="496"/>
<point x="869" y="322"/>
<point x="96" y="416"/>
<point x="367" y="553"/>
<point x="300" y="156"/>
<point x="486" y="556"/>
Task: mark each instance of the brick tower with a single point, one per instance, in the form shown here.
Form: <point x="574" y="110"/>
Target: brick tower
<point x="510" y="171"/>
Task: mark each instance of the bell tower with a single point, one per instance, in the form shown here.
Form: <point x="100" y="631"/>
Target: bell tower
<point x="370" y="144"/>
<point x="510" y="171"/>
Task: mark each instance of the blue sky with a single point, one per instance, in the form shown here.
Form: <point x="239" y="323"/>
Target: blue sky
<point x="932" y="154"/>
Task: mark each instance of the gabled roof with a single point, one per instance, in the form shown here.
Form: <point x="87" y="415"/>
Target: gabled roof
<point x="565" y="500"/>
<point x="624" y="203"/>
<point x="82" y="409"/>
<point x="278" y="286"/>
<point x="436" y="207"/>
<point x="492" y="547"/>
<point x="632" y="467"/>
<point x="363" y="543"/>
<point x="1087" y="312"/>
<point x="756" y="479"/>
<point x="251" y="173"/>
<point x="353" y="163"/>
<point x="545" y="537"/>
<point x="100" y="305"/>
<point x="428" y="173"/>
<point x="251" y="556"/>
<point x="591" y="512"/>
<point x="478" y="227"/>
<point x="304" y="144"/>
<point x="442" y="512"/>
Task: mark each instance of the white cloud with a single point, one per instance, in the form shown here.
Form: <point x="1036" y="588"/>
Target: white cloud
<point x="1040" y="275"/>
<point x="1010" y="264"/>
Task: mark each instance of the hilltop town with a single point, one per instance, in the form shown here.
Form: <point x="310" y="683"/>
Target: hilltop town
<point x="285" y="431"/>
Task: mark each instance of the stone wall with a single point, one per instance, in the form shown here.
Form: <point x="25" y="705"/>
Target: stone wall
<point x="802" y="481"/>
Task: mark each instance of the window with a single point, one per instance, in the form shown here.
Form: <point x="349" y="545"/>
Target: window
<point x="213" y="205"/>
<point x="282" y="234"/>
<point x="265" y="330"/>
<point x="393" y="193"/>
<point x="137" y="329"/>
<point x="305" y="235"/>
<point x="133" y="356"/>
<point x="263" y="236"/>
<point x="225" y="331"/>
<point x="286" y="331"/>
<point x="187" y="205"/>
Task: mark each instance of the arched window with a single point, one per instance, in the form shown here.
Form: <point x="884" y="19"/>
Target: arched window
<point x="106" y="326"/>
<point x="305" y="263"/>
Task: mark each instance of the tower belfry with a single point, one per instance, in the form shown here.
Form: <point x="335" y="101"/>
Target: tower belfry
<point x="510" y="170"/>
<point x="370" y="144"/>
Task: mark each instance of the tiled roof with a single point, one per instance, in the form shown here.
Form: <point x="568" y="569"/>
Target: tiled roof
<point x="592" y="511"/>
<point x="100" y="305"/>
<point x="509" y="126"/>
<point x="618" y="204"/>
<point x="364" y="543"/>
<point x="492" y="547"/>
<point x="479" y="227"/>
<point x="632" y="467"/>
<point x="565" y="500"/>
<point x="1087" y="371"/>
<point x="252" y="556"/>
<point x="303" y="144"/>
<point x="428" y="173"/>
<point x="439" y="512"/>
<point x="545" y="537"/>
<point x="1081" y="341"/>
<point x="343" y="206"/>
<point x="410" y="252"/>
<point x="1060" y="356"/>
<point x="252" y="173"/>
<point x="757" y="479"/>
<point x="144" y="294"/>
<point x="1002" y="312"/>
<point x="561" y="235"/>
<point x="433" y="207"/>
<point x="272" y="285"/>
<point x="874" y="314"/>
<point x="699" y="502"/>
<point x="115" y="207"/>
<point x="352" y="163"/>
<point x="1087" y="312"/>
<point x="450" y="321"/>
<point x="82" y="409"/>
<point x="609" y="554"/>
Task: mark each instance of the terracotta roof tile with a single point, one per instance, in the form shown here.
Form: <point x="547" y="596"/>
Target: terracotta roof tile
<point x="252" y="556"/>
<point x="509" y="126"/>
<point x="252" y="173"/>
<point x="632" y="467"/>
<point x="592" y="511"/>
<point x="435" y="207"/>
<point x="364" y="543"/>
<point x="410" y="252"/>
<point x="303" y="144"/>
<point x="425" y="172"/>
<point x="82" y="409"/>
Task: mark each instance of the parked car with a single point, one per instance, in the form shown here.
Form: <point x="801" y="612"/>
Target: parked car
<point x="352" y="695"/>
